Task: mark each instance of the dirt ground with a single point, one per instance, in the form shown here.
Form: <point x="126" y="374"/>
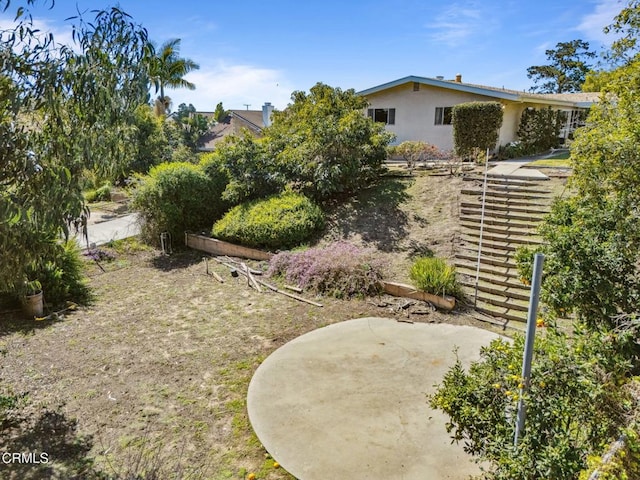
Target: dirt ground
<point x="154" y="374"/>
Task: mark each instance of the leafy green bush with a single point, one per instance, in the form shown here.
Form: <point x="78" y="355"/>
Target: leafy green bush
<point x="622" y="464"/>
<point x="539" y="129"/>
<point x="178" y="197"/>
<point x="280" y="221"/>
<point x="476" y="125"/>
<point x="340" y="269"/>
<point x="434" y="275"/>
<point x="61" y="275"/>
<point x="575" y="403"/>
<point x="100" y="194"/>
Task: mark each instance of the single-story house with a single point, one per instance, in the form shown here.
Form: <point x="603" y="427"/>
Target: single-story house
<point x="419" y="108"/>
<point x="234" y="123"/>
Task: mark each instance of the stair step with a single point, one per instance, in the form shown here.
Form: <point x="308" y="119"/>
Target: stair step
<point x="496" y="214"/>
<point x="505" y="231"/>
<point x="528" y="177"/>
<point x="487" y="260"/>
<point x="475" y="219"/>
<point x="508" y="239"/>
<point x="486" y="243"/>
<point x="496" y="291"/>
<point x="517" y="202"/>
<point x="512" y="282"/>
<point x="502" y="194"/>
<point x="471" y="268"/>
<point x="497" y="254"/>
<point x="506" y="316"/>
<point x="491" y="207"/>
<point x="502" y="180"/>
<point x="512" y="305"/>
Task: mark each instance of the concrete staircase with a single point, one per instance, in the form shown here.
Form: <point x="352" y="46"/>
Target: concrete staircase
<point x="515" y="205"/>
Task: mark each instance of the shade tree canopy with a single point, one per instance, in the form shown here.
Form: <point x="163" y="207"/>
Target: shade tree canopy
<point x="567" y="68"/>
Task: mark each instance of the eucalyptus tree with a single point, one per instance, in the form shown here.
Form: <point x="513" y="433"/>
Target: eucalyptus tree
<point x="65" y="108"/>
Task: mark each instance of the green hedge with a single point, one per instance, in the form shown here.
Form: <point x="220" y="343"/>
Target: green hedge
<point x="280" y="221"/>
<point x="179" y="197"/>
<point x="476" y="125"/>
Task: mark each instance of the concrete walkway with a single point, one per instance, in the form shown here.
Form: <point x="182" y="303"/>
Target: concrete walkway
<point x="515" y="171"/>
<point x="350" y="401"/>
<point x="107" y="231"/>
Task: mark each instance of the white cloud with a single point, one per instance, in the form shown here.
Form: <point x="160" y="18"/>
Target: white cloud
<point x="455" y="24"/>
<point x="591" y="25"/>
<point x="234" y="86"/>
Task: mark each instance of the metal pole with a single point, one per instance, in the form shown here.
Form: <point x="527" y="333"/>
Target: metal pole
<point x="536" y="280"/>
<point x="484" y="196"/>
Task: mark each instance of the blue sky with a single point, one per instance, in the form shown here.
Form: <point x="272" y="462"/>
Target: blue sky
<point x="251" y="52"/>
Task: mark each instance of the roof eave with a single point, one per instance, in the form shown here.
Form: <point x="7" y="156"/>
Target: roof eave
<point x="434" y="82"/>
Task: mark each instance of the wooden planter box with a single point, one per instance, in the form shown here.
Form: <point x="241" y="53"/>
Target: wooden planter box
<point x="408" y="291"/>
<point x="218" y="247"/>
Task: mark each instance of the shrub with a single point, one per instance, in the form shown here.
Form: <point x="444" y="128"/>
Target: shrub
<point x="434" y="275"/>
<point x="340" y="269"/>
<point x="539" y="129"/>
<point x="621" y="461"/>
<point x="177" y="197"/>
<point x="100" y="194"/>
<point x="575" y="403"/>
<point x="476" y="125"/>
<point x="61" y="275"/>
<point x="324" y="145"/>
<point x="416" y="151"/>
<point x="280" y="221"/>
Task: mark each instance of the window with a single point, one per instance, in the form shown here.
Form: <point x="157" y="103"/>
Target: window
<point x="443" y="115"/>
<point x="416" y="87"/>
<point x="383" y="115"/>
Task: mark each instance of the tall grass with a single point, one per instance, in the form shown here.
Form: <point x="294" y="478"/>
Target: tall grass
<point x="435" y="275"/>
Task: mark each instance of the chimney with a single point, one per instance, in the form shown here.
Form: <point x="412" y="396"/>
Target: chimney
<point x="458" y="78"/>
<point x="267" y="110"/>
<point x="440" y="77"/>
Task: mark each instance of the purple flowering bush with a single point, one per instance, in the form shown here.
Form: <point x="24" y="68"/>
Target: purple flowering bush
<point x="340" y="269"/>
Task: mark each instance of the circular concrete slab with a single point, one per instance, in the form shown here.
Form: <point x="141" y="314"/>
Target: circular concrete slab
<point x="350" y="401"/>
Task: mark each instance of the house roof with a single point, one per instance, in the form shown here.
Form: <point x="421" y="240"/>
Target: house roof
<point x="232" y="124"/>
<point x="583" y="100"/>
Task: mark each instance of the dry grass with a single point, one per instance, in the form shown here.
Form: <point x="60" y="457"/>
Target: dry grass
<point x="158" y="367"/>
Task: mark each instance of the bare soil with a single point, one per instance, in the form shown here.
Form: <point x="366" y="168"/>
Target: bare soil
<point x="154" y="374"/>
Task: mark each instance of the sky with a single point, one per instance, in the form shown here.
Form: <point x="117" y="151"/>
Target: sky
<point x="251" y="52"/>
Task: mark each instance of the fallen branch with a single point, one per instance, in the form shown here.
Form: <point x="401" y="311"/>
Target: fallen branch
<point x="250" y="279"/>
<point x="244" y="272"/>
<point x="295" y="289"/>
<point x="231" y="260"/>
<point x="212" y="273"/>
<point x="217" y="277"/>
<point x="287" y="294"/>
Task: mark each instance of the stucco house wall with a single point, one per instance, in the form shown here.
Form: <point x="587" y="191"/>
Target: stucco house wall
<point x="415" y="100"/>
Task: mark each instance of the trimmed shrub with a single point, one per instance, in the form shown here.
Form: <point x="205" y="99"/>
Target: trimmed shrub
<point x="434" y="275"/>
<point x="476" y="125"/>
<point x="340" y="269"/>
<point x="539" y="129"/>
<point x="179" y="197"/>
<point x="280" y="221"/>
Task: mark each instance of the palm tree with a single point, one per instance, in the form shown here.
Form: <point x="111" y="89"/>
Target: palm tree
<point x="167" y="69"/>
